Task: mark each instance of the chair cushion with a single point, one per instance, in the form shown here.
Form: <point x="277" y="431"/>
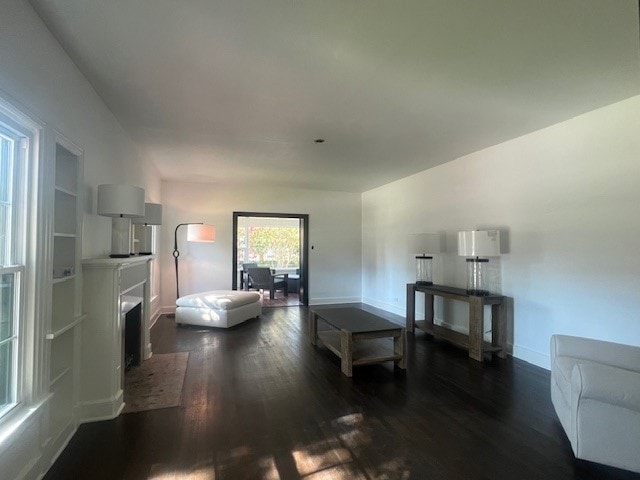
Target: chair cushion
<point x="219" y="299"/>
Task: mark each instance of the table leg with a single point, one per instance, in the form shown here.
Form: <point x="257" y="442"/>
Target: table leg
<point x="428" y="311"/>
<point x="499" y="328"/>
<point x="313" y="328"/>
<point x="476" y="327"/>
<point x="346" y="351"/>
<point x="411" y="308"/>
<point x="400" y="348"/>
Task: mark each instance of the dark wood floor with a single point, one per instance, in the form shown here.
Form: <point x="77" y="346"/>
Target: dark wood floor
<point x="291" y="300"/>
<point x="260" y="403"/>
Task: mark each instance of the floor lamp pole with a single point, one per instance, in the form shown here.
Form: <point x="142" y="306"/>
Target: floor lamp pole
<point x="176" y="253"/>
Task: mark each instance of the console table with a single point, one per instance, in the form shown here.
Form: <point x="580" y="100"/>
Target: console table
<point x="474" y="341"/>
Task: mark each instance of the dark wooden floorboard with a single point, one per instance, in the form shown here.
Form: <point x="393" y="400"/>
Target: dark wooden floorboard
<point x="259" y="402"/>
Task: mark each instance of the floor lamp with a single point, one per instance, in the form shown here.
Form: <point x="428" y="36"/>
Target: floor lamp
<point x="196" y="232"/>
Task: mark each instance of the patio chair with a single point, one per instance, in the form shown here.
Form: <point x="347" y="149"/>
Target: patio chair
<point x="260" y="278"/>
<point x="244" y="276"/>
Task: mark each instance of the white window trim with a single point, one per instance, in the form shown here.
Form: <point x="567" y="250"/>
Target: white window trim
<point x="30" y="391"/>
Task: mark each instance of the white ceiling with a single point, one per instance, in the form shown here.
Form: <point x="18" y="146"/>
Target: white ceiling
<point x="237" y="90"/>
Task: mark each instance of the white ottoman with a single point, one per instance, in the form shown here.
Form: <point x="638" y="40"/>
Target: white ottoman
<point x="218" y="308"/>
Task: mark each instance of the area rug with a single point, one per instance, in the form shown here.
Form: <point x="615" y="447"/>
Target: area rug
<point x="156" y="383"/>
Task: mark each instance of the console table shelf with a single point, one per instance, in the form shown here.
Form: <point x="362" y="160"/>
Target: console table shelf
<point x="474" y="341"/>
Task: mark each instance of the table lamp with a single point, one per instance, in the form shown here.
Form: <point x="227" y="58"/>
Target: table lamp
<point x="478" y="243"/>
<point x="121" y="203"/>
<point x="421" y="244"/>
<point x="144" y="227"/>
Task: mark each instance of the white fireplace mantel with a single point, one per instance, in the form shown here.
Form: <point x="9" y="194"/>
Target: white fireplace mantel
<point x="107" y="283"/>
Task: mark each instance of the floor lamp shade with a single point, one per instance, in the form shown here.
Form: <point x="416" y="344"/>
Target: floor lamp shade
<point x="476" y="244"/>
<point x="144" y="226"/>
<point x="201" y="233"/>
<point x="422" y="244"/>
<point x="121" y="202"/>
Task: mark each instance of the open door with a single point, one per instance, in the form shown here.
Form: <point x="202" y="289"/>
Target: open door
<point x="279" y="241"/>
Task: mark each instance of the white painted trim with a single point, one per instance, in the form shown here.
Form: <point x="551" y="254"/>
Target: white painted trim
<point x="63" y="440"/>
<point x="539" y="359"/>
<point x="167" y="310"/>
<point x="102" y="409"/>
<point x="16" y="423"/>
<point x="333" y="300"/>
<point x="389" y="307"/>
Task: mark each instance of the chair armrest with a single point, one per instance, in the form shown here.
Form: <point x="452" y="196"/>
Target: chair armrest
<point x="598" y="351"/>
<point x="606" y="384"/>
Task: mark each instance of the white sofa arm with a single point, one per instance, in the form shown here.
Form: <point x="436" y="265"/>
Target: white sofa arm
<point x="598" y="351"/>
<point x="603" y="383"/>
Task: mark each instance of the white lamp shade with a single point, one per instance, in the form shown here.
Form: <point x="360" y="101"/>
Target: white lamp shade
<point x="120" y="201"/>
<point x="425" y="243"/>
<point x="201" y="233"/>
<point x="479" y="243"/>
<point x="152" y="215"/>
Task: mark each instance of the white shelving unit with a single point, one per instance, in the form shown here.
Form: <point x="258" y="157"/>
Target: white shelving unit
<point x="66" y="289"/>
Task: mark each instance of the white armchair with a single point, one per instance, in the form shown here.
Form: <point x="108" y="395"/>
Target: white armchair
<point x="595" y="389"/>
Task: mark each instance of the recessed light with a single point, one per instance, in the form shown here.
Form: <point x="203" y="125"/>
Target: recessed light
<point x="319" y="140"/>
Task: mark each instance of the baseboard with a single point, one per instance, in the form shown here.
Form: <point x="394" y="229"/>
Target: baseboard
<point x="389" y="307"/>
<point x="333" y="300"/>
<point x="167" y="310"/>
<point x="534" y="357"/>
<point x="154" y="317"/>
<point x="103" y="409"/>
<point x="60" y="443"/>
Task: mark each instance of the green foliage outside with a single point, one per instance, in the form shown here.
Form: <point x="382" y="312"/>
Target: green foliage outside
<point x="275" y="247"/>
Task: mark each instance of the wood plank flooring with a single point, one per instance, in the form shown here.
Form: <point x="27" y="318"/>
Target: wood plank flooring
<point x="259" y="402"/>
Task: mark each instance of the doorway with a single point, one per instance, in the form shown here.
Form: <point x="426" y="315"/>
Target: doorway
<point x="279" y="241"/>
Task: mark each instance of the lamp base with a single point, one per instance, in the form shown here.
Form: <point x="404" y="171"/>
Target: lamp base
<point x="120" y="255"/>
<point x="145" y="253"/>
<point x="423" y="282"/>
<point x="479" y="293"/>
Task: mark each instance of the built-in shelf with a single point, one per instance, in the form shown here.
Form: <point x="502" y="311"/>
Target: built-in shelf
<point x="60" y="331"/>
<point x="58" y="376"/>
<point x="63" y="279"/>
<point x="66" y="304"/>
<point x="65" y="191"/>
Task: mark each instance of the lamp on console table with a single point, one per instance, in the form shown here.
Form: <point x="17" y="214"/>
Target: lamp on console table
<point x="121" y="203"/>
<point x="421" y="245"/>
<point x="478" y="243"/>
<point x="196" y="232"/>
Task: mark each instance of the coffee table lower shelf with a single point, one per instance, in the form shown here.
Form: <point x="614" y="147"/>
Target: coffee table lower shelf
<point x="364" y="352"/>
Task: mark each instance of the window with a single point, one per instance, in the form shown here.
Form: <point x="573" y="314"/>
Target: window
<point x="13" y="247"/>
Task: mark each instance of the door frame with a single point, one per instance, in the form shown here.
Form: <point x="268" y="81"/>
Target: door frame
<point x="304" y="233"/>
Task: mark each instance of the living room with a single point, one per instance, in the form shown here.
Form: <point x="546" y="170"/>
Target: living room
<point x="558" y="177"/>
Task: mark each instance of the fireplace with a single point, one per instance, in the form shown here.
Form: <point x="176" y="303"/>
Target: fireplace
<point x="131" y="314"/>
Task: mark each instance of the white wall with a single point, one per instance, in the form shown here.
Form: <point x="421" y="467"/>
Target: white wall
<point x="567" y="196"/>
<point x="36" y="75"/>
<point x="334" y="223"/>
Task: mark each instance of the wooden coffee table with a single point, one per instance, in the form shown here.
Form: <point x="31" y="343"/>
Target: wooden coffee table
<point x="359" y="338"/>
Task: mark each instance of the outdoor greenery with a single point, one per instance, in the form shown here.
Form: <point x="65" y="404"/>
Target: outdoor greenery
<point x="275" y="247"/>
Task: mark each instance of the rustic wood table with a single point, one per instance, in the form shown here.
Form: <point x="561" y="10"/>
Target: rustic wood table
<point x="360" y="338"/>
<point x="474" y="341"/>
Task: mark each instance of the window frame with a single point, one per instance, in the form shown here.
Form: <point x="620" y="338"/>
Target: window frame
<point x="25" y="253"/>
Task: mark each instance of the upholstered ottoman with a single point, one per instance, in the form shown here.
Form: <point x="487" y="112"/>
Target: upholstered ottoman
<point x="218" y="308"/>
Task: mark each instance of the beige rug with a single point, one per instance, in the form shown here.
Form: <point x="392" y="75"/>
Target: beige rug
<point x="156" y="383"/>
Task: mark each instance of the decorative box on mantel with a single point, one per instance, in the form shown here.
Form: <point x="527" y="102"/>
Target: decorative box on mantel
<point x="116" y="298"/>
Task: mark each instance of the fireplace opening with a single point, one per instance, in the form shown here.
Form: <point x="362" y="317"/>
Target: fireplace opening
<point x="132" y="332"/>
